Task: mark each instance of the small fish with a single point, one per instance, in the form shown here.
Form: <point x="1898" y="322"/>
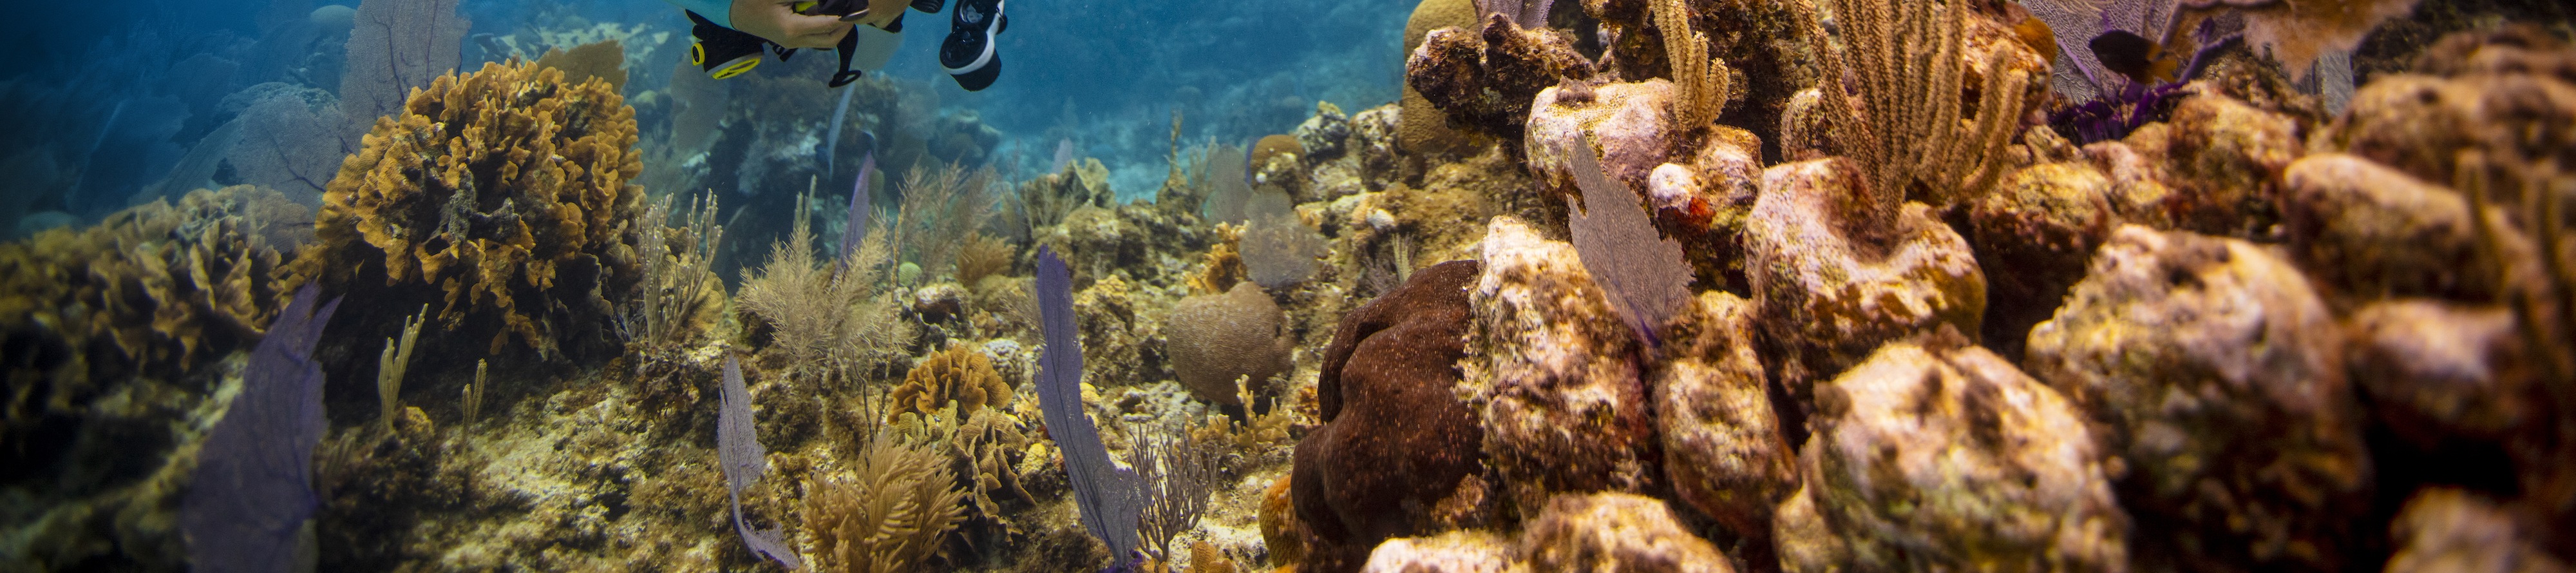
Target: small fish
<point x="2134" y="56"/>
<point x="2036" y="34"/>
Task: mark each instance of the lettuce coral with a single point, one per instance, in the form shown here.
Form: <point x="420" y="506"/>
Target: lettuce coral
<point x="152" y="290"/>
<point x="502" y="192"/>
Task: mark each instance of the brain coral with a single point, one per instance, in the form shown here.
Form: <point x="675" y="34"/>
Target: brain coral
<point x="1216" y="339"/>
<point x="503" y="194"/>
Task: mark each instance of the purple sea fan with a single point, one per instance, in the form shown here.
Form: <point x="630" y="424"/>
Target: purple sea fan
<point x="1642" y="272"/>
<point x="1108" y="495"/>
<point x="738" y="451"/>
<point x="252" y="493"/>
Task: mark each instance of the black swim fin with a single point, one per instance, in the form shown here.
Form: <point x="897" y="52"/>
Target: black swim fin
<point x="968" y="53"/>
<point x="929" y="6"/>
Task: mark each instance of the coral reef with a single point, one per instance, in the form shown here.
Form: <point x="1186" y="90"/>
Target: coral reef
<point x="1216" y="340"/>
<point x="2264" y="449"/>
<point x="1396" y="449"/>
<point x="1553" y="374"/>
<point x="500" y="196"/>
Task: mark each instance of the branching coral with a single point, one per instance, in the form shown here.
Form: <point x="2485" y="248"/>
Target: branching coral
<point x="887" y="513"/>
<point x="1911" y="67"/>
<point x="1178" y="470"/>
<point x="502" y="193"/>
<point x="959" y="374"/>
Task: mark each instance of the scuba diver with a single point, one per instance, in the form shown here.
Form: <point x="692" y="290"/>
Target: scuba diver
<point x="731" y="34"/>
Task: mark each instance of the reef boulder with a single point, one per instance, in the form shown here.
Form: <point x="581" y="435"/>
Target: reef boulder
<point x="2214" y="371"/>
<point x="1553" y="374"/>
<point x="1723" y="446"/>
<point x="1628" y="124"/>
<point x="1830" y="294"/>
<point x="1940" y="456"/>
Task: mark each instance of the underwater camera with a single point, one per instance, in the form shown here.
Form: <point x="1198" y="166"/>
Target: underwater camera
<point x="725" y="52"/>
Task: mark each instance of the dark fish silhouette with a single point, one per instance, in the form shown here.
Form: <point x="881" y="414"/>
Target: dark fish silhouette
<point x="2134" y="56"/>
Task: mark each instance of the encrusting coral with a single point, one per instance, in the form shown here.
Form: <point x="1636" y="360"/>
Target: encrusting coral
<point x="500" y="195"/>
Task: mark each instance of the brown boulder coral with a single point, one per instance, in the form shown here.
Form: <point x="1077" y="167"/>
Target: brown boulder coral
<point x="1214" y="340"/>
<point x="1723" y="446"/>
<point x="1396" y="448"/>
<point x="1553" y="374"/>
<point x="2214" y="371"/>
<point x="502" y="195"/>
<point x="959" y="374"/>
<point x="1830" y="293"/>
<point x="1942" y="456"/>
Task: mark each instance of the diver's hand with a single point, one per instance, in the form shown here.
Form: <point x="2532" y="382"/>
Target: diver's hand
<point x="772" y="20"/>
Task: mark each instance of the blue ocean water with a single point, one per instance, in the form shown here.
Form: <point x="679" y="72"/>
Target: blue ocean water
<point x="99" y="103"/>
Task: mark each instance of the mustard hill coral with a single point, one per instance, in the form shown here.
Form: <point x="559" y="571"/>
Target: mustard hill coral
<point x="502" y="196"/>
